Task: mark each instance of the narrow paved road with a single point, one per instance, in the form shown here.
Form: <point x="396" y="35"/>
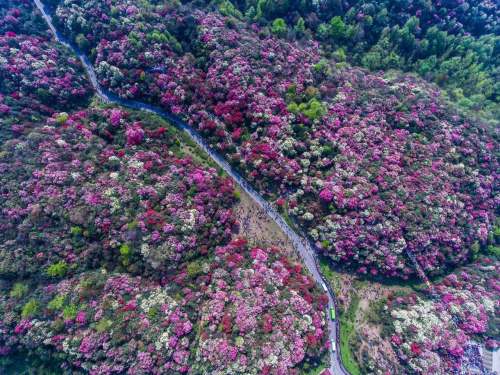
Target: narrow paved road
<point x="301" y="244"/>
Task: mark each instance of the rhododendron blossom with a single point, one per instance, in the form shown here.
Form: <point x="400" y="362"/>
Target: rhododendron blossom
<point x="374" y="167"/>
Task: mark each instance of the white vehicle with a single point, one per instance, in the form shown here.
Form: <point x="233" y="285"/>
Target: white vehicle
<point x="324" y="287"/>
<point x="334" y="345"/>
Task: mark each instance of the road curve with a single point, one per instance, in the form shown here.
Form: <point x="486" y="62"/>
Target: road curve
<point x="301" y="244"/>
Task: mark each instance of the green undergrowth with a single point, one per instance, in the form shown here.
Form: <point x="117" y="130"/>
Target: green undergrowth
<point x="23" y="364"/>
<point x="347" y="336"/>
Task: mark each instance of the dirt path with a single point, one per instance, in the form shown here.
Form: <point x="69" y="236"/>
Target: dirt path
<point x="258" y="227"/>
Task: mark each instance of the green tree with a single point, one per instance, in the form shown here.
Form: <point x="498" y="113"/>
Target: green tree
<point x="339" y="55"/>
<point x="372" y="60"/>
<point x="58" y="269"/>
<point x="259" y="13"/>
<point x="313" y="109"/>
<point x="70" y="311"/>
<point x="436" y="42"/>
<point x="321" y="67"/>
<point x="57" y="302"/>
<point x="228" y="9"/>
<point x="406" y="36"/>
<point x="194" y="269"/>
<point x="82" y="42"/>
<point x="279" y="27"/>
<point x="18" y="290"/>
<point x="323" y="31"/>
<point x="300" y="27"/>
<point x="125" y="254"/>
<point x="337" y="29"/>
<point x="250" y="13"/>
<point x="62" y="117"/>
<point x="44" y="95"/>
<point x="30" y="308"/>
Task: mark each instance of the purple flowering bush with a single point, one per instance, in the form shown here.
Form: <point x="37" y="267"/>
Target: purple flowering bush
<point x="404" y="175"/>
<point x="261" y="313"/>
<point x="101" y="323"/>
<point x="242" y="311"/>
<point x="90" y="200"/>
<point x="116" y="246"/>
<point x="431" y="333"/>
<point x="372" y="166"/>
<point x="72" y="200"/>
<point x="20" y="17"/>
<point x="37" y="78"/>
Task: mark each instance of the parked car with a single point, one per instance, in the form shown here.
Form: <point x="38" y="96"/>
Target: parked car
<point x="334" y="345"/>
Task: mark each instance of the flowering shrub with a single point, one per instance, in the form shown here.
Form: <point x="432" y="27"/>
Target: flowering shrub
<point x="374" y="167"/>
<point x="20" y="17"/>
<point x="103" y="324"/>
<point x="107" y="188"/>
<point x="402" y="177"/>
<point x="431" y="333"/>
<point x="37" y="78"/>
<point x="451" y="43"/>
<point x="261" y="314"/>
<point x="256" y="312"/>
<point x="69" y="196"/>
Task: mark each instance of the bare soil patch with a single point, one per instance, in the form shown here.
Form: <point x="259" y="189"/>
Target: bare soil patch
<point x="259" y="228"/>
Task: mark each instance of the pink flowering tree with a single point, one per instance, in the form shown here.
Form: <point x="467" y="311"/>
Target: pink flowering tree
<point x="375" y="168"/>
<point x="76" y="200"/>
<point x="37" y="78"/>
<point x="431" y="333"/>
<point x="242" y="311"/>
<point x="261" y="314"/>
<point x="103" y="323"/>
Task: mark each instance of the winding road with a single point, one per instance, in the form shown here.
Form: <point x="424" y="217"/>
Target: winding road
<point x="301" y="244"/>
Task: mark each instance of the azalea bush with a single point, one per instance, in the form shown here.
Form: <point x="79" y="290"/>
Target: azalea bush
<point x="92" y="199"/>
<point x="20" y="17"/>
<point x="100" y="323"/>
<point x="374" y="167"/>
<point x="400" y="177"/>
<point x="451" y="43"/>
<point x="246" y="310"/>
<point x="261" y="313"/>
<point x="101" y="187"/>
<point x="431" y="333"/>
<point x="117" y="252"/>
<point x="37" y="78"/>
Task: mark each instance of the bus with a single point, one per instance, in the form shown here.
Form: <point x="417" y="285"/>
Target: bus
<point x="334" y="345"/>
<point x="332" y="313"/>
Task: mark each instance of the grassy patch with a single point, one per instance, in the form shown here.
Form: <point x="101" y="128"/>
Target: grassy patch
<point x="286" y="215"/>
<point x="347" y="332"/>
<point x="190" y="148"/>
<point x="331" y="275"/>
